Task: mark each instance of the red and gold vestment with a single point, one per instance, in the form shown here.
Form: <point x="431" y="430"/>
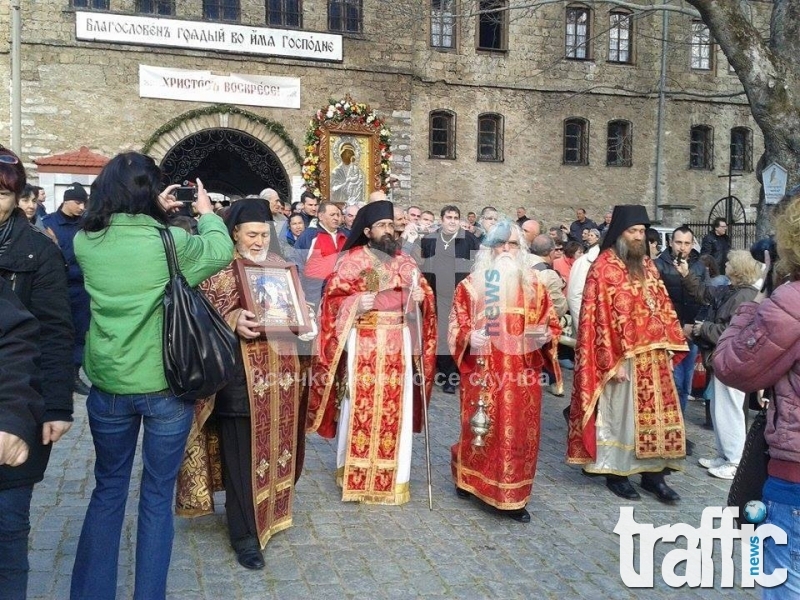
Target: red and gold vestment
<point x="506" y="374"/>
<point x="273" y="377"/>
<point x="375" y="385"/>
<point x="624" y="318"/>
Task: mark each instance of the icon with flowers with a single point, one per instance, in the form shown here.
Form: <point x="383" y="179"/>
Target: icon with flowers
<point x="336" y="114"/>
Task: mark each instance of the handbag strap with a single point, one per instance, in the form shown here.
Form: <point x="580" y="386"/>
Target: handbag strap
<point x="172" y="256"/>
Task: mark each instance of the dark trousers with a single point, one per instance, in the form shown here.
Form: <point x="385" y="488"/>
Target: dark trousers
<point x="15" y="508"/>
<point x="234" y="446"/>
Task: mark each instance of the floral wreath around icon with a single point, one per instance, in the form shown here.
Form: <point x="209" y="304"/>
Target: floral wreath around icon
<point x="339" y="112"/>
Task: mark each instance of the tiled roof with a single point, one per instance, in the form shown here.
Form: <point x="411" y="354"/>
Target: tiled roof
<point x="68" y="161"/>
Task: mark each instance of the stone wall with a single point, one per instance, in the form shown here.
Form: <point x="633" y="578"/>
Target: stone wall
<point x="82" y="93"/>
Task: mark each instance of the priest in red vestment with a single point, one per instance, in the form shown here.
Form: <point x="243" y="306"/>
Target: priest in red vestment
<point x="503" y="331"/>
<point x="245" y="438"/>
<point x="365" y="370"/>
<point x="625" y="417"/>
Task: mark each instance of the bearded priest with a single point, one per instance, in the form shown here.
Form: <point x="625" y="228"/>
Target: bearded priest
<point x="625" y="417"/>
<point x="503" y="331"/>
<point x="365" y="369"/>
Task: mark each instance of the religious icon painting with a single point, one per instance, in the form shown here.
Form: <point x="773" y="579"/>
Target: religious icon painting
<point x="273" y="293"/>
<point x="349" y="164"/>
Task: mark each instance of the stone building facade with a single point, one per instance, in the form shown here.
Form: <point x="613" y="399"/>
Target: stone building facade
<point x="553" y="108"/>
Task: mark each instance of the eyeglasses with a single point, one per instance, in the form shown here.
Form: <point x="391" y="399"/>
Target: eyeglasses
<point x="389" y="226"/>
<point x="7" y="159"/>
<point x="558" y="249"/>
<point x="510" y="244"/>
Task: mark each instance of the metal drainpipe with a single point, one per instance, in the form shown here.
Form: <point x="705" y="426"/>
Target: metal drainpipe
<point x="661" y="110"/>
<point x="16" y="77"/>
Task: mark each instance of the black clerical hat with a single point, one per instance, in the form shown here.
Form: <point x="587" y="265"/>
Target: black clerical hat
<point x="624" y="217"/>
<point x="367" y="216"/>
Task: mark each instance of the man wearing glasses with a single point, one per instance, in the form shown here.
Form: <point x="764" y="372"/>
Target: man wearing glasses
<point x="717" y="244"/>
<point x="363" y="384"/>
<point x="65" y="224"/>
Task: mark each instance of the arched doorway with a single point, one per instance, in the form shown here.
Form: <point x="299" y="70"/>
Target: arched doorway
<point x="228" y="161"/>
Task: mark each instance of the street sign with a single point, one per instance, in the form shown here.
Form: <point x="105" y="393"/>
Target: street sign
<point x="774" y="178"/>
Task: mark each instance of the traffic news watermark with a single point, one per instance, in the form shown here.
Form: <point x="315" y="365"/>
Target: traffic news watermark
<point x="698" y="556"/>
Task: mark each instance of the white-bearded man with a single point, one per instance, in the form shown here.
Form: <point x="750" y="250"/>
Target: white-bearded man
<point x="503" y="331"/>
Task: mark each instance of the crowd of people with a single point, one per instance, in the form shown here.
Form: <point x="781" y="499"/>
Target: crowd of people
<point x="389" y="302"/>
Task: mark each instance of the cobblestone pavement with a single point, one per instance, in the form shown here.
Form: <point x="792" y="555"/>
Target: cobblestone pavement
<point x="346" y="550"/>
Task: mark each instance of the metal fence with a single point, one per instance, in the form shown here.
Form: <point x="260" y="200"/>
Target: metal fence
<point x="743" y="235"/>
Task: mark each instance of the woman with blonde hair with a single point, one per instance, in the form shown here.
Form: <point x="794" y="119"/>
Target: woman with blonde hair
<point x="727" y="402"/>
<point x="760" y="351"/>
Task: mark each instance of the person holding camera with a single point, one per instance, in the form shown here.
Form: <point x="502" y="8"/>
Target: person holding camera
<point x="761" y="350"/>
<point x="124" y="265"/>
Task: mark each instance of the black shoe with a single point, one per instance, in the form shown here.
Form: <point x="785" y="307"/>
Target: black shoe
<point x="689" y="448"/>
<point x="449" y="388"/>
<point x="520" y="516"/>
<point x="79" y="387"/>
<point x="620" y="486"/>
<point x="463" y="494"/>
<point x="250" y="558"/>
<point x="660" y="490"/>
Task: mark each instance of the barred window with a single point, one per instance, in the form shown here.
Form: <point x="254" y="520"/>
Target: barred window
<point x="156" y="7"/>
<point x="619" y="148"/>
<point x="442" y="134"/>
<point x="741" y="149"/>
<point x="701" y="148"/>
<point x="284" y="13"/>
<point x="492" y="25"/>
<point x="345" y="15"/>
<point x="221" y="10"/>
<point x="577" y="33"/>
<point x="576" y="141"/>
<point x="490" y="137"/>
<point x="702" y="46"/>
<point x="96" y="4"/>
<point x="620" y="37"/>
<point x="443" y="32"/>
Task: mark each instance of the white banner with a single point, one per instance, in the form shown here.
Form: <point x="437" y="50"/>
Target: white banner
<point x="204" y="86"/>
<point x="151" y="31"/>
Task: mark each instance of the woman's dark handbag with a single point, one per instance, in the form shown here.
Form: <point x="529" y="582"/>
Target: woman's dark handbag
<point x="752" y="471"/>
<point x="199" y="346"/>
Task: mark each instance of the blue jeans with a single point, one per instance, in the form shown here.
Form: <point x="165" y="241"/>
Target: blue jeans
<point x="15" y="525"/>
<point x="683" y="373"/>
<point x="786" y="517"/>
<point x="114" y="421"/>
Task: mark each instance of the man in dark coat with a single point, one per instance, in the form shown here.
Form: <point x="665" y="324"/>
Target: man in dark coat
<point x="580" y="224"/>
<point x="21" y="409"/>
<point x="717" y="244"/>
<point x="683" y="300"/>
<point x="447" y="259"/>
<point x="65" y="224"/>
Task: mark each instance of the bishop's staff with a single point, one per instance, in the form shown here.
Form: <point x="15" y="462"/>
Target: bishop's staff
<point x="424" y="387"/>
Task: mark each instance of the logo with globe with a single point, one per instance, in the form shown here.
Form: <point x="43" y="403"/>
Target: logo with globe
<point x="755" y="511"/>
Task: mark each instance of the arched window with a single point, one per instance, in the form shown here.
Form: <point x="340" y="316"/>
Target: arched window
<point x="619" y="146"/>
<point x="284" y="13"/>
<point x="620" y="37"/>
<point x="741" y="149"/>
<point x="701" y="147"/>
<point x="576" y="141"/>
<point x="578" y="32"/>
<point x="702" y="47"/>
<point x="442" y="134"/>
<point x="490" y="137"/>
<point x="221" y="10"/>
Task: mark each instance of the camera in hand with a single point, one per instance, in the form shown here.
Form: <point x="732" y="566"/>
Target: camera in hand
<point x="186" y="193"/>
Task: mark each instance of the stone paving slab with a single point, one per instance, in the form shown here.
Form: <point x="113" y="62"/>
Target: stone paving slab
<point x="346" y="550"/>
